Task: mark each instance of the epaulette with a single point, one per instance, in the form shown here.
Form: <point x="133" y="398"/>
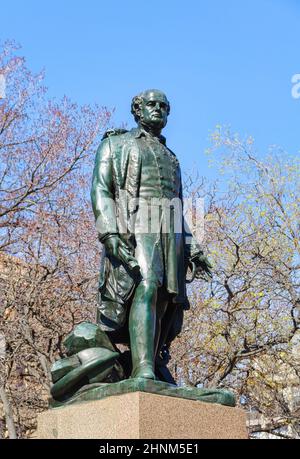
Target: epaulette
<point x="112" y="132"/>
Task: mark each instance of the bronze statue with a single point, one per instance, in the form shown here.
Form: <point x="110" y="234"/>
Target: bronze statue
<point x="142" y="282"/>
<point x="137" y="201"/>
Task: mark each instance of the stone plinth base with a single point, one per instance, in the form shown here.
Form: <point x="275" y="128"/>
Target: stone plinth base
<point x="143" y="415"/>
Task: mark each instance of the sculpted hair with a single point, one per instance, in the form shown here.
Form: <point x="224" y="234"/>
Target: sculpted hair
<point x="136" y="104"/>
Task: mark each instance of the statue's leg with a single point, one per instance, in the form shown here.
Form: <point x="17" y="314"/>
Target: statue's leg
<point x="142" y="330"/>
<point x="161" y="308"/>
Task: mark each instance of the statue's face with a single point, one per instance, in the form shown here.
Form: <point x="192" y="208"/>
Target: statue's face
<point x="154" y="110"/>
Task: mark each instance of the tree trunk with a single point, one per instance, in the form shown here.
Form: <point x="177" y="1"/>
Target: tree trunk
<point x="8" y="414"/>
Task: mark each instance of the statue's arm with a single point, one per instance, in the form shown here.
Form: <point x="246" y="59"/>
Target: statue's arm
<point x="194" y="256"/>
<point x="193" y="251"/>
<point x="191" y="246"/>
<point x="102" y="192"/>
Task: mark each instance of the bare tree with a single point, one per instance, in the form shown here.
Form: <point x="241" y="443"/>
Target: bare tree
<point x="242" y="331"/>
<point x="48" y="245"/>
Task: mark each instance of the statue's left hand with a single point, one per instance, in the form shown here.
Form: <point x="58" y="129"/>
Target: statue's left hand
<point x="202" y="267"/>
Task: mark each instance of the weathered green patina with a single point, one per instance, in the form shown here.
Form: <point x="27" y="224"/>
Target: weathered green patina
<point x="91" y="358"/>
<point x="98" y="392"/>
<point x="142" y="281"/>
<point x="147" y="250"/>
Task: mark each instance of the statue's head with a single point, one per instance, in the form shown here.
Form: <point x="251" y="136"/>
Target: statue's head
<point x="151" y="108"/>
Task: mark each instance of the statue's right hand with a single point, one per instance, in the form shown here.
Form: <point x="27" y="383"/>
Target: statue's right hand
<point x="115" y="247"/>
<point x="111" y="245"/>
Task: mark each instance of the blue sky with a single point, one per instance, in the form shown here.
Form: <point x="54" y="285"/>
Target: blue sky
<point x="219" y="61"/>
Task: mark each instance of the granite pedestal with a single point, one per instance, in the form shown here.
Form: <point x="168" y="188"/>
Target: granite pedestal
<point x="143" y="415"/>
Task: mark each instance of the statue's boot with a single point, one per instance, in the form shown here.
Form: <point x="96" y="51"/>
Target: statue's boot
<point x="161" y="308"/>
<point x="142" y="330"/>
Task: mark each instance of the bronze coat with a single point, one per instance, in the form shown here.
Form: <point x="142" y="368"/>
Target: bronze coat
<point x="116" y="182"/>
